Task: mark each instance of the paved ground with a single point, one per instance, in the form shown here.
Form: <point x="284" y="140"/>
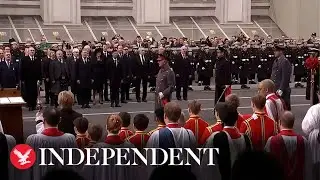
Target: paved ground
<point x="98" y="113"/>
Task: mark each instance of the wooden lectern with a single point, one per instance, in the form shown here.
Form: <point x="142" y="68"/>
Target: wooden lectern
<point x="11" y="104"/>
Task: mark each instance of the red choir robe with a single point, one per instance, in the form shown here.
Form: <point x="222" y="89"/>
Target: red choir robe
<point x="197" y="126"/>
<point x="259" y="127"/>
<point x="156" y="129"/>
<point x="125" y="132"/>
<point x="209" y="130"/>
<point x="82" y="141"/>
<point x="139" y="139"/>
<point x="292" y="152"/>
<point x="239" y="121"/>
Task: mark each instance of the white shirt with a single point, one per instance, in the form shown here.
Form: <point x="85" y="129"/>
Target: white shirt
<point x="142" y="59"/>
<point x="274" y="108"/>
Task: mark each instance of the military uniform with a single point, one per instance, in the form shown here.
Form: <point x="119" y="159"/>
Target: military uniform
<point x="165" y="83"/>
<point x="299" y="69"/>
<point x="254" y="56"/>
<point x="263" y="66"/>
<point x="205" y="69"/>
<point x="244" y="67"/>
<point x="235" y="54"/>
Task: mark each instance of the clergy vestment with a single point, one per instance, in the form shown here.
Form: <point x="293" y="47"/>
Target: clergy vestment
<point x="293" y="153"/>
<point x="156" y="129"/>
<point x="311" y="120"/>
<point x="50" y="138"/>
<point x="7" y="171"/>
<point x="274" y="106"/>
<point x="197" y="126"/>
<point x="139" y="139"/>
<point x="111" y="171"/>
<point x="125" y="133"/>
<point x="231" y="144"/>
<point x="259" y="128"/>
<point x="209" y="130"/>
<point x="181" y="138"/>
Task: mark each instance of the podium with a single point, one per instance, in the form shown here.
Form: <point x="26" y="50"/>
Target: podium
<point x="11" y="104"/>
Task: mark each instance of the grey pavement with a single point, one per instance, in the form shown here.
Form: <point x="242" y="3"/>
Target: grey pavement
<point x="98" y="113"/>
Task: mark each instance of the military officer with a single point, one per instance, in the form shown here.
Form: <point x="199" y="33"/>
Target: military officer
<point x="165" y="82"/>
<point x="193" y="63"/>
<point x="235" y="53"/>
<point x="281" y="73"/>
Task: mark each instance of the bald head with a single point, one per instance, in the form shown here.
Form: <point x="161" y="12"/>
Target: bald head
<point x="266" y="87"/>
<point x="287" y="120"/>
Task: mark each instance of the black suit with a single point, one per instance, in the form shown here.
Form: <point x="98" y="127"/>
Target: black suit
<point x="141" y="73"/>
<point x="183" y="70"/>
<point x="125" y="62"/>
<point x="72" y="69"/>
<point x="45" y="75"/>
<point x="115" y="76"/>
<point x="84" y="74"/>
<point x="9" y="76"/>
<point x="30" y="74"/>
<point x="106" y="57"/>
<point x="223" y="77"/>
<point x="67" y="118"/>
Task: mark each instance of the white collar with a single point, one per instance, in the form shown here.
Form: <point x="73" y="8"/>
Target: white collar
<point x="229" y="127"/>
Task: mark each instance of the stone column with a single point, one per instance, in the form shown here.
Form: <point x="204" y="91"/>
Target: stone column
<point x="151" y="12"/>
<point x="233" y="11"/>
<point x="60" y="12"/>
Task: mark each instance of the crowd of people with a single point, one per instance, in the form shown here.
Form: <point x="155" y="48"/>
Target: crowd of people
<point x="268" y="134"/>
<point x="101" y="71"/>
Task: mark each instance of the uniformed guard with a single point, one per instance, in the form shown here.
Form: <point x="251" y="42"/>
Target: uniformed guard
<point x="205" y="68"/>
<point x="299" y="69"/>
<point x="192" y="56"/>
<point x="254" y="53"/>
<point x="263" y="68"/>
<point x="165" y="83"/>
<point x="223" y="75"/>
<point x="244" y="67"/>
<point x="235" y="53"/>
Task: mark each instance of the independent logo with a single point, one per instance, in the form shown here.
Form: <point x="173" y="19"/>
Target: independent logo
<point x="22" y="156"/>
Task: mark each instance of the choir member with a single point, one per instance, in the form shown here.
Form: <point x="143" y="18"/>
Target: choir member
<point x="291" y="150"/>
<point x="113" y="140"/>
<point x="125" y="132"/>
<point x="225" y="141"/>
<point x="159" y="113"/>
<point x="274" y="105"/>
<point x="140" y="137"/>
<point x="195" y="123"/>
<point x="259" y="127"/>
<point x="233" y="100"/>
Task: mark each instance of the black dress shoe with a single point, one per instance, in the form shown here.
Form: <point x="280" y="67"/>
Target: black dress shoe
<point x="117" y="105"/>
<point x="244" y="86"/>
<point x="186" y="99"/>
<point x="87" y="106"/>
<point x="129" y="99"/>
<point x="83" y="106"/>
<point x="139" y="100"/>
<point x="179" y="99"/>
<point x="112" y="105"/>
<point x="107" y="100"/>
<point x="124" y="102"/>
<point x="144" y="100"/>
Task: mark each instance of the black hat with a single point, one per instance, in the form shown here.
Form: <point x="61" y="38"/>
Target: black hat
<point x="221" y="48"/>
<point x="314" y="34"/>
<point x="12" y="40"/>
<point x="279" y="47"/>
<point x="103" y="39"/>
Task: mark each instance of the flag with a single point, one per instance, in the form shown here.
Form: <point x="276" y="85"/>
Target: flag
<point x="227" y="91"/>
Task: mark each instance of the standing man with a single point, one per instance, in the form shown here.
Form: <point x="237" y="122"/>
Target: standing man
<point x="84" y="79"/>
<point x="30" y="76"/>
<point x="281" y="72"/>
<point x="116" y="75"/>
<point x="165" y="83"/>
<point x="59" y="76"/>
<point x="9" y="73"/>
<point x="141" y="74"/>
<point x="183" y="69"/>
<point x="223" y="75"/>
